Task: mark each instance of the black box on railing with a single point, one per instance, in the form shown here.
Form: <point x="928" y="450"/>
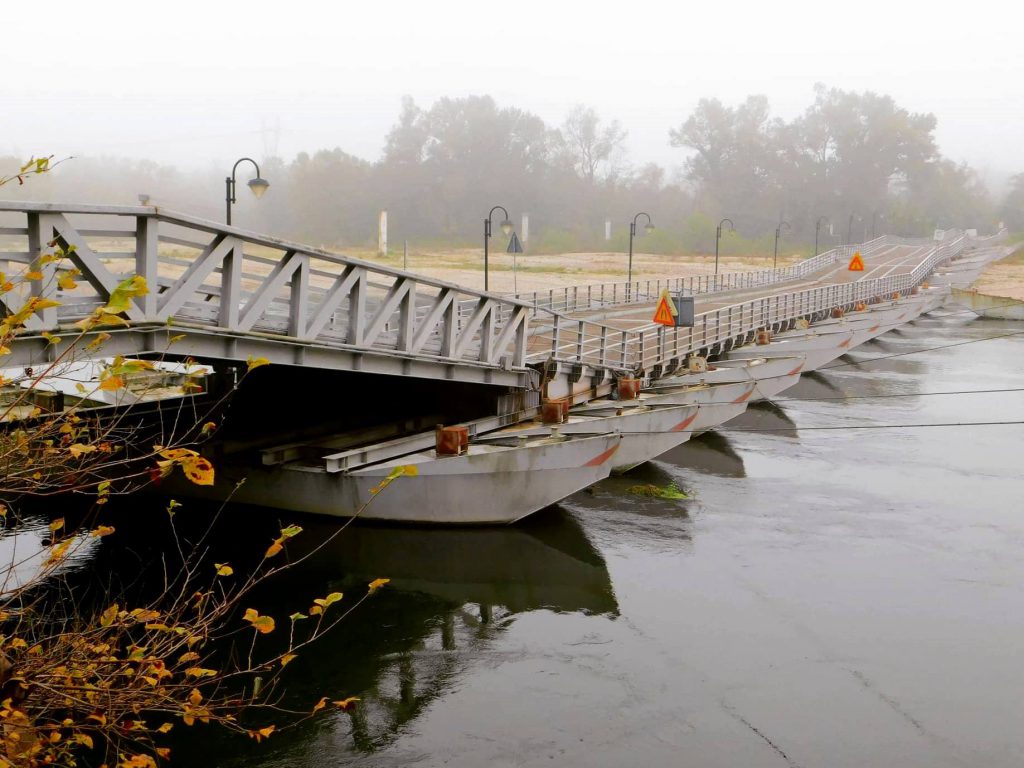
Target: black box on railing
<point x="684" y="316"/>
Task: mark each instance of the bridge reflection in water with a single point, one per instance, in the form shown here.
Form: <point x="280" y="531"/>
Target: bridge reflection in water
<point x="452" y="594"/>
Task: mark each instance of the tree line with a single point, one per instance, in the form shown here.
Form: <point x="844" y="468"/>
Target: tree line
<point x="851" y="165"/>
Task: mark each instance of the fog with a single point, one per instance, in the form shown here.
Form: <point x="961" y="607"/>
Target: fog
<point x="194" y="86"/>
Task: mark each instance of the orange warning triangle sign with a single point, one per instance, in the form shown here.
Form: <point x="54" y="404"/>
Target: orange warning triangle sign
<point x="856" y="263"/>
<point x="666" y="311"/>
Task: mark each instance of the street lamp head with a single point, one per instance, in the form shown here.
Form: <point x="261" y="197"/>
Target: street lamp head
<point x="258" y="186"/>
<point x="648" y="227"/>
<point x="506" y="227"/>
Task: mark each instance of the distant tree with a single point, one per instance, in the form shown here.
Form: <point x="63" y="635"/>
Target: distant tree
<point x="734" y="165"/>
<point x="1012" y="209"/>
<point x="853" y="147"/>
<point x="587" y="146"/>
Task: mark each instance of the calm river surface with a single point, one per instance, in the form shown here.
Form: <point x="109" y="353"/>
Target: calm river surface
<point x="827" y="597"/>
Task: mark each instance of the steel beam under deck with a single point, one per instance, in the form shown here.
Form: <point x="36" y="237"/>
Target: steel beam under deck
<point x="205" y="343"/>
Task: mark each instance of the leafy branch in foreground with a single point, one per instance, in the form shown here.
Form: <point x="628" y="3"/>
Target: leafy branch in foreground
<point x="115" y="680"/>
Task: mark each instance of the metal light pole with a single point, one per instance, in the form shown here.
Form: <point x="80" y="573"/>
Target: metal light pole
<point x="258" y="185"/>
<point x="506" y="228"/>
<point x="718" y="236"/>
<point x="817" y="230"/>
<point x="778" y="230"/>
<point x="849" y="230"/>
<point x="648" y="227"/>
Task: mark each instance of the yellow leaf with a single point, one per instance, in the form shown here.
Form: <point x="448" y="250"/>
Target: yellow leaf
<point x="78" y="449"/>
<point x="287" y="658"/>
<point x="108" y="616"/>
<point x="195" y="698"/>
<point x="120" y="297"/>
<point x="223" y="569"/>
<point x="377" y="584"/>
<point x="164" y="728"/>
<point x="208" y="427"/>
<point x="200" y="672"/>
<point x="34" y="275"/>
<point x="196" y="468"/>
<point x="189" y="656"/>
<point x="17" y="643"/>
<point x="320" y="705"/>
<point x="256" y="362"/>
<point x="346" y="704"/>
<point x="325" y="602"/>
<point x="84" y="739"/>
<point x="262" y="624"/>
<point x="102" y="530"/>
<point x="57" y="524"/>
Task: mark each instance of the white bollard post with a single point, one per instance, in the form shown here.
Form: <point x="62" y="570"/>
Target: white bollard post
<point x="607" y="230"/>
<point x="525" y="229"/>
<point x="382" y="234"/>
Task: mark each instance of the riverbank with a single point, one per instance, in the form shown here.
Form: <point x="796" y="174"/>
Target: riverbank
<point x="529" y="272"/>
<point x="1004" y="278"/>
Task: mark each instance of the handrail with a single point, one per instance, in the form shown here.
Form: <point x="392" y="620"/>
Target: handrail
<point x="238" y="282"/>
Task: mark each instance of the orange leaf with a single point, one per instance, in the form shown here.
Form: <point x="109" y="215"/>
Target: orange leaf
<point x="274" y="548"/>
<point x="262" y="624"/>
<point x="112" y="383"/>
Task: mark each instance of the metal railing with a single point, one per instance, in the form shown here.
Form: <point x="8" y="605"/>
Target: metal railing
<point x="238" y="284"/>
<point x="638" y="350"/>
<point x="202" y="273"/>
<point x="602" y="295"/>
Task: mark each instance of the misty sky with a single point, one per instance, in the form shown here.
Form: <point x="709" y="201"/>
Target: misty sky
<point x="201" y="83"/>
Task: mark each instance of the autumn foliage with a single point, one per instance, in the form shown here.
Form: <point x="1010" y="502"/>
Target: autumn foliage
<point x="114" y="681"/>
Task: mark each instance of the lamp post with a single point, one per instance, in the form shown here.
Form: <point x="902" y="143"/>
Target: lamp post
<point x="506" y="228"/>
<point x="778" y="231"/>
<point x="817" y="230"/>
<point x="648" y="227"/>
<point x="258" y="185"/>
<point x="718" y="237"/>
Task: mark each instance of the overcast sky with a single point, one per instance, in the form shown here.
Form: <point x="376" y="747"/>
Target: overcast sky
<point x="201" y="83"/>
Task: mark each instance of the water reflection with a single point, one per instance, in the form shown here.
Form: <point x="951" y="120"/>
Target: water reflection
<point x="452" y="593"/>
<point x="765" y="417"/>
<point x="712" y="453"/>
<point x="811" y="385"/>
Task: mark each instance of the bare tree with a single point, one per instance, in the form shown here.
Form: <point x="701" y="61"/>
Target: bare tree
<point x="586" y="144"/>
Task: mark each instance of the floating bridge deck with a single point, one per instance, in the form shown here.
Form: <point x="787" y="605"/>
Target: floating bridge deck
<point x="231" y="294"/>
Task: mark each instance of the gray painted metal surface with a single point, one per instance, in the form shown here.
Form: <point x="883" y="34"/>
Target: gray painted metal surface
<point x="232" y="293"/>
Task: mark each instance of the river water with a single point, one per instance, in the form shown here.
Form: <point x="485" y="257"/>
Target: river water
<point x="826" y="598"/>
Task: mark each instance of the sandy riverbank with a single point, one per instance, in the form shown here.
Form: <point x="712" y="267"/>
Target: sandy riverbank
<point x="1004" y="278"/>
<point x="541" y="272"/>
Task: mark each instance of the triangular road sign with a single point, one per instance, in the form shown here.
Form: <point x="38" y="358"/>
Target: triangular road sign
<point x="856" y="263"/>
<point x="666" y="311"/>
<point x="514" y="246"/>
